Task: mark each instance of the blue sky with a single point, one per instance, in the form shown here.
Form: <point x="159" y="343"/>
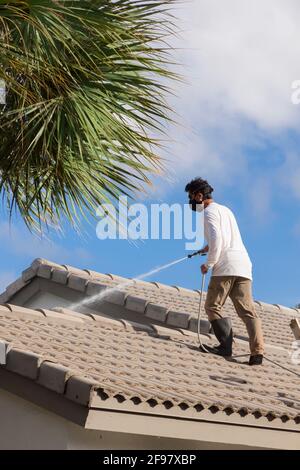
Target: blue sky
<point x="236" y="127"/>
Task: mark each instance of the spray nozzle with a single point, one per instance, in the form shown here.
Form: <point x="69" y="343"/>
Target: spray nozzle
<point x="199" y="252"/>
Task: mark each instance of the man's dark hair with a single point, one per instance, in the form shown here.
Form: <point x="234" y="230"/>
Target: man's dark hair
<point x="198" y="184"/>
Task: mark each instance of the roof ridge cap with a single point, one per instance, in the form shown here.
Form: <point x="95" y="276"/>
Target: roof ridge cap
<point x="278" y="307"/>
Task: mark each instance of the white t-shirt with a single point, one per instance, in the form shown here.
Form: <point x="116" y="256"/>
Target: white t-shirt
<point x="227" y="255"/>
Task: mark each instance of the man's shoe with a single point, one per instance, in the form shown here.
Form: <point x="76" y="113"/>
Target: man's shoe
<point x="256" y="360"/>
<point x="223" y="330"/>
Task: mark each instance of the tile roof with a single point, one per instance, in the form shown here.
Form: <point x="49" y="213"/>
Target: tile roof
<point x="148" y="366"/>
<point x="173" y="306"/>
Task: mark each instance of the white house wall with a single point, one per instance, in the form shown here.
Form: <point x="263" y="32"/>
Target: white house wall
<point x="24" y="425"/>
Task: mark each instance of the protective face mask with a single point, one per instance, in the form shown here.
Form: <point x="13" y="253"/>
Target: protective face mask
<point x="196" y="206"/>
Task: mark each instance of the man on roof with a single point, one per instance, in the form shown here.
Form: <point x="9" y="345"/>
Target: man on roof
<point x="231" y="275"/>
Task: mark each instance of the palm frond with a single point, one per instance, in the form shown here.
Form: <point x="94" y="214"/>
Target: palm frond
<point x="84" y="94"/>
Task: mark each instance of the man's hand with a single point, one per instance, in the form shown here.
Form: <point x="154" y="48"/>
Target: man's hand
<point x="204" y="268"/>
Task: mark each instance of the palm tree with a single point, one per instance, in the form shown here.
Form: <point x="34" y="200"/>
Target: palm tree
<point x="85" y="84"/>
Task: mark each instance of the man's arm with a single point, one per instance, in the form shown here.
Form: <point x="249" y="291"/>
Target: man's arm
<point x="214" y="241"/>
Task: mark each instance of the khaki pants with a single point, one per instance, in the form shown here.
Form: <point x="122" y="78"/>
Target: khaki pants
<point x="239" y="289"/>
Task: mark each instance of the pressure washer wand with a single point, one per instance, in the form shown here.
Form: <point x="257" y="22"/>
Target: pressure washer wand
<point x="199" y="252"/>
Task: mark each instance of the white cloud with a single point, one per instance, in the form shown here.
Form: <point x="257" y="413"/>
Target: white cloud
<point x="240" y="58"/>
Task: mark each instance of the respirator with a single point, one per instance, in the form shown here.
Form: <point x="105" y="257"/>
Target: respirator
<point x="196" y="206"/>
